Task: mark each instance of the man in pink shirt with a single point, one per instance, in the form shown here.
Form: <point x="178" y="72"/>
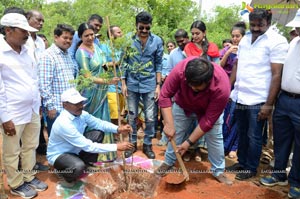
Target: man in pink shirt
<point x="201" y="90"/>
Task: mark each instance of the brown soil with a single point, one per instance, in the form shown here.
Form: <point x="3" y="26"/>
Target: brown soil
<point x="128" y="195"/>
<point x="174" y="178"/>
<point x="100" y="185"/>
<point x="201" y="184"/>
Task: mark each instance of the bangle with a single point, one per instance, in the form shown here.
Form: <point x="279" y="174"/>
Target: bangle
<point x="189" y="141"/>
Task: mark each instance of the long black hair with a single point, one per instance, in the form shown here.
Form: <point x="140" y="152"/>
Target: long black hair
<point x="204" y="44"/>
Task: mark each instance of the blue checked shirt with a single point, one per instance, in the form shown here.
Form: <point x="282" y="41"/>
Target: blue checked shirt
<point x="56" y="70"/>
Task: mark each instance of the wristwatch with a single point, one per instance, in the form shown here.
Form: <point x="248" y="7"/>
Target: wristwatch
<point x="190" y="142"/>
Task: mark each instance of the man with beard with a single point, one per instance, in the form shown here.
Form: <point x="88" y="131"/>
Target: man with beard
<point x="182" y="38"/>
<point x="19" y="106"/>
<point x="70" y="150"/>
<point x="142" y="79"/>
<point x="200" y="90"/>
<point x="286" y="121"/>
<point x="56" y="70"/>
<point x="257" y="76"/>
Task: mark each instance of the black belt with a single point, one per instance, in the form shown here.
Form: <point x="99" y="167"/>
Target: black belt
<point x="292" y="95"/>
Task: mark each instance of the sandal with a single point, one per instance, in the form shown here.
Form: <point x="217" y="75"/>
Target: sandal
<point x="187" y="156"/>
<point x="198" y="155"/>
<point x="266" y="158"/>
<point x="232" y="154"/>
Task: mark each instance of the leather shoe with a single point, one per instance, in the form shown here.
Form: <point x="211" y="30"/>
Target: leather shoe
<point x="147" y="150"/>
<point x="223" y="179"/>
<point x="129" y="153"/>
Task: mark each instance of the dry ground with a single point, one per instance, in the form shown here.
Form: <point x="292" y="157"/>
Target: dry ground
<point x="200" y="185"/>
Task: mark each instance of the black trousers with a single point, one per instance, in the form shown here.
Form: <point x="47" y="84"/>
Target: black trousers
<point x="71" y="166"/>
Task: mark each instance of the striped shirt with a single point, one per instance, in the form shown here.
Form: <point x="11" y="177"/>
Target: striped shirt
<point x="56" y="70"/>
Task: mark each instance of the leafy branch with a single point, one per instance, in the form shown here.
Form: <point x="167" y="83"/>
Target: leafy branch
<point x="84" y="80"/>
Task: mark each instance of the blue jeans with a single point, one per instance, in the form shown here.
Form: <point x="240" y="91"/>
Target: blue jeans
<point x="286" y="124"/>
<point x="250" y="131"/>
<point x="213" y="138"/>
<point x="149" y="112"/>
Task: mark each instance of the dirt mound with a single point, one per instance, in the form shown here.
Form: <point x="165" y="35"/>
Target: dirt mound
<point x="117" y="181"/>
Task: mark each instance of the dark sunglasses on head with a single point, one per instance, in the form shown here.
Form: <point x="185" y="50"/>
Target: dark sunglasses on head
<point x="144" y="27"/>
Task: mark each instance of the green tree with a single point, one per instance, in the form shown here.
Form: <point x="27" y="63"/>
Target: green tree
<point x="56" y="13"/>
<point x="218" y="27"/>
<point x="168" y="15"/>
<point x="25" y="4"/>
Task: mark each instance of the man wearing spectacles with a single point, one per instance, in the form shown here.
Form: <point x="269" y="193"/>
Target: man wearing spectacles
<point x="141" y="80"/>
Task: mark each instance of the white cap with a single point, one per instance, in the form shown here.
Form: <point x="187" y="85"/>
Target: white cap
<point x="296" y="21"/>
<point x="293" y="29"/>
<point x="16" y="20"/>
<point x="72" y="95"/>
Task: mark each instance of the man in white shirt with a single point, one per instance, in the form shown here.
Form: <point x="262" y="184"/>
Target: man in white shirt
<point x="36" y="20"/>
<point x="286" y="121"/>
<point x="261" y="54"/>
<point x="69" y="148"/>
<point x="19" y="106"/>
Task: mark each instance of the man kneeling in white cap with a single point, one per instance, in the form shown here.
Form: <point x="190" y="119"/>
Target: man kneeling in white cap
<point x="70" y="150"/>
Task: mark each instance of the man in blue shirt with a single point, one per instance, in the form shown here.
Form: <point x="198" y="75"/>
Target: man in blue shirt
<point x="142" y="79"/>
<point x="182" y="38"/>
<point x="69" y="150"/>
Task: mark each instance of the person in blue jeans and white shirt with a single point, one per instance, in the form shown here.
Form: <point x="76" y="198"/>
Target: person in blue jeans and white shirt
<point x="257" y="76"/>
<point x="286" y="121"/>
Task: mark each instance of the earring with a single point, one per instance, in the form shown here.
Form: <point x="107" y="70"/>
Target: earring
<point x="203" y="39"/>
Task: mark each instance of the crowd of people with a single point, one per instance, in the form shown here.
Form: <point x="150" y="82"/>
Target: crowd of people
<point x="221" y="100"/>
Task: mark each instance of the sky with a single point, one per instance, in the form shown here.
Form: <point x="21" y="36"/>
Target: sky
<point x="210" y="4"/>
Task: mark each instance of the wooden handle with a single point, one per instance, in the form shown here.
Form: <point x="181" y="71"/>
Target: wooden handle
<point x="181" y="164"/>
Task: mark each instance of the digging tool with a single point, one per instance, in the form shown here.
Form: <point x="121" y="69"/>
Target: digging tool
<point x="117" y="94"/>
<point x="177" y="178"/>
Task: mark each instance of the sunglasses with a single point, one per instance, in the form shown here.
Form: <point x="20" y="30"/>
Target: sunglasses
<point x="144" y="27"/>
